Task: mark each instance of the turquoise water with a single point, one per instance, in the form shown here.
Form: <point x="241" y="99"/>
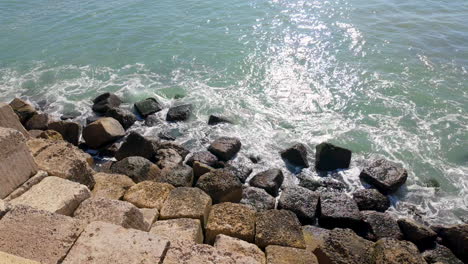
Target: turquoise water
<point x="383" y="78"/>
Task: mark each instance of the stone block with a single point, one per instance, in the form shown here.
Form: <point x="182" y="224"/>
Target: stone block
<point x="9" y="119"/>
<point x="289" y="255"/>
<point x="241" y="251"/>
<point x="111" y="186"/>
<point x="148" y="194"/>
<point x="181" y="229"/>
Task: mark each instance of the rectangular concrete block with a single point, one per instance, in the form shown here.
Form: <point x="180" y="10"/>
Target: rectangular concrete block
<point x="181" y="229"/>
<point x="8" y="118"/>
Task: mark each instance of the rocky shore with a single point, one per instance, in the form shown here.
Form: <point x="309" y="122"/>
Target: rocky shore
<point x="140" y="199"/>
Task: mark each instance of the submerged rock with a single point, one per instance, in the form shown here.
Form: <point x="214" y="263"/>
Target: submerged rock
<point x="371" y="199"/>
<point x="106" y="101"/>
<point x="179" y="113"/>
<point x="125" y="117"/>
<point x="296" y="155"/>
<point x="225" y="148"/>
<point x="148" y="106"/>
<point x="384" y="175"/>
<point x="214" y="120"/>
<point x="329" y="157"/>
<point x="104" y="131"/>
<point x="269" y="180"/>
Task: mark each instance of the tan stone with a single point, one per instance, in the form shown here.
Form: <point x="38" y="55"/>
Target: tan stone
<point x="241" y="251"/>
<point x="6" y="258"/>
<point x="23" y="109"/>
<point x="103" y="131"/>
<point x="235" y="220"/>
<point x="289" y="255"/>
<point x="185" y="253"/>
<point x="314" y="236"/>
<point x="40" y="175"/>
<point x="393" y="251"/>
<point x="16" y="163"/>
<point x="150" y="215"/>
<point x="111" y="186"/>
<point x="50" y="134"/>
<point x="4" y="208"/>
<point x="9" y="119"/>
<point x="181" y="229"/>
<point x="55" y="195"/>
<point x="103" y="243"/>
<point x="148" y="194"/>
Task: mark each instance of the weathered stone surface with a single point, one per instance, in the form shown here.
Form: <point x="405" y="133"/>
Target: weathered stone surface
<point x="106" y="101"/>
<point x="343" y="246"/>
<point x="456" y="238"/>
<point x="38" y="177"/>
<point x="103" y="131"/>
<point x="16" y="162"/>
<point x="288" y="255"/>
<point x="4" y="208"/>
<point x="148" y="106"/>
<point x="23" y="109"/>
<point x="440" y="254"/>
<point x="225" y="148"/>
<point x="168" y="158"/>
<point x="204" y="157"/>
<point x="181" y="229"/>
<point x="125" y="117"/>
<point x="184" y="202"/>
<point x="301" y="201"/>
<point x="384" y="175"/>
<point x="150" y="215"/>
<point x="180" y="176"/>
<point x="371" y="199"/>
<point x="240" y="170"/>
<point x="417" y="233"/>
<point x="214" y="120"/>
<point x="200" y="169"/>
<point x="278" y="227"/>
<point x="296" y="155"/>
<point x="257" y="198"/>
<point x="70" y="131"/>
<point x="179" y="113"/>
<point x="137" y="145"/>
<point x="137" y="168"/>
<point x="153" y="120"/>
<point x="38" y="235"/>
<point x="34" y="133"/>
<point x="314" y="236"/>
<point x="50" y="134"/>
<point x="221" y="185"/>
<point x="269" y="180"/>
<point x="338" y="210"/>
<point x="6" y="258"/>
<point x="183" y="152"/>
<point x="329" y="157"/>
<point x="235" y="220"/>
<point x="63" y="160"/>
<point x="381" y="225"/>
<point x="111" y="211"/>
<point x="148" y="194"/>
<point x="325" y="184"/>
<point x="111" y="186"/>
<point x="38" y="121"/>
<point x="108" y="243"/>
<point x="9" y="119"/>
<point x="55" y="195"/>
<point x="392" y="251"/>
<point x="240" y="251"/>
<point x="187" y="253"/>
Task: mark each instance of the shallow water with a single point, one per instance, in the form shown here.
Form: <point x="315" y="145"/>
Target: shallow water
<point x="383" y="78"/>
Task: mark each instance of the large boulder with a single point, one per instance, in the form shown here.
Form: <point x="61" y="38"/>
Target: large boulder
<point x="278" y="227"/>
<point x="296" y="155"/>
<point x="456" y="238"/>
<point x="339" y="210"/>
<point x="23" y="109"/>
<point x="168" y="158"/>
<point x="148" y="194"/>
<point x="384" y="175"/>
<point x="137" y="145"/>
<point x="181" y="229"/>
<point x="225" y="148"/>
<point x="125" y="117"/>
<point x="106" y="101"/>
<point x="221" y="185"/>
<point x="9" y="119"/>
<point x="180" y="176"/>
<point x="148" y="106"/>
<point x="103" y="131"/>
<point x="329" y="157"/>
<point x="111" y="186"/>
<point x="392" y="251"/>
<point x="240" y="250"/>
<point x="269" y="180"/>
<point x="371" y="199"/>
<point x="300" y="201"/>
<point x="38" y="121"/>
<point x="204" y="157"/>
<point x="381" y="225"/>
<point x="179" y="113"/>
<point x="289" y="255"/>
<point x="70" y="131"/>
<point x="137" y="168"/>
<point x="417" y="233"/>
<point x="257" y="198"/>
<point x="440" y="254"/>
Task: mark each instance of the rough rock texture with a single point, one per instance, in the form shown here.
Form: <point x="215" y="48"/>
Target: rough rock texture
<point x="107" y="243"/>
<point x="214" y="120"/>
<point x="257" y="198"/>
<point x="4" y="208"/>
<point x="326" y="184"/>
<point x="111" y="186"/>
<point x="50" y="134"/>
<point x="180" y="176"/>
<point x="417" y="233"/>
<point x="38" y="177"/>
<point x="221" y="185"/>
<point x="440" y="254"/>
<point x="204" y="157"/>
<point x="137" y="168"/>
<point x="150" y="215"/>
<point x="381" y="225"/>
<point x="278" y="227"/>
<point x="111" y="211"/>
<point x="269" y="180"/>
<point x="296" y="155"/>
<point x="314" y="236"/>
<point x="148" y="106"/>
<point x="23" y="109"/>
<point x="125" y="117"/>
<point x="137" y="145"/>
<point x="63" y="160"/>
<point x="38" y="121"/>
<point x="371" y="199"/>
<point x="148" y="194"/>
<point x="55" y="195"/>
<point x="289" y="255"/>
<point x="343" y="246"/>
<point x="200" y="169"/>
<point x="183" y="152"/>
<point x="168" y="158"/>
<point x="235" y="220"/>
<point x="241" y="171"/>
<point x="329" y="157"/>
<point x="186" y="253"/>
<point x="9" y="119"/>
<point x="225" y="148"/>
<point x="384" y="175"/>
<point x="70" y="131"/>
<point x="184" y="202"/>
<point x="242" y="252"/>
<point x="392" y="251"/>
<point x="103" y="131"/>
<point x="106" y="101"/>
<point x="38" y="235"/>
<point x="12" y="259"/>
<point x="181" y="229"/>
<point x="179" y="113"/>
<point x="338" y="210"/>
<point x="300" y="201"/>
<point x="456" y="238"/>
<point x="16" y="162"/>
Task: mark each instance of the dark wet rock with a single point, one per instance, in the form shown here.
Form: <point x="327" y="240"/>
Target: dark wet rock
<point x="301" y="201"/>
<point x="106" y="101"/>
<point x="392" y="251"/>
<point x="137" y="168"/>
<point x="339" y="210"/>
<point x="183" y="152"/>
<point x="456" y="238"/>
<point x="221" y="185"/>
<point x="137" y="145"/>
<point x="225" y="148"/>
<point x="23" y="109"/>
<point x="125" y="117"/>
<point x="296" y="155"/>
<point x="148" y="106"/>
<point x="180" y="176"/>
<point x="104" y="131"/>
<point x="204" y="157"/>
<point x="329" y="157"/>
<point x="257" y="198"/>
<point x="166" y="135"/>
<point x="199" y="169"/>
<point x="241" y="171"/>
<point x="110" y="150"/>
<point x="254" y="159"/>
<point x="38" y="121"/>
<point x="371" y="199"/>
<point x="179" y="113"/>
<point x="270" y="180"/>
<point x="70" y="131"/>
<point x="168" y="158"/>
<point x="91" y="119"/>
<point x="153" y="120"/>
<point x="384" y="175"/>
<point x="417" y="233"/>
<point x="381" y="225"/>
<point x="69" y="116"/>
<point x="440" y="254"/>
<point x="321" y="184"/>
<point x="214" y="120"/>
